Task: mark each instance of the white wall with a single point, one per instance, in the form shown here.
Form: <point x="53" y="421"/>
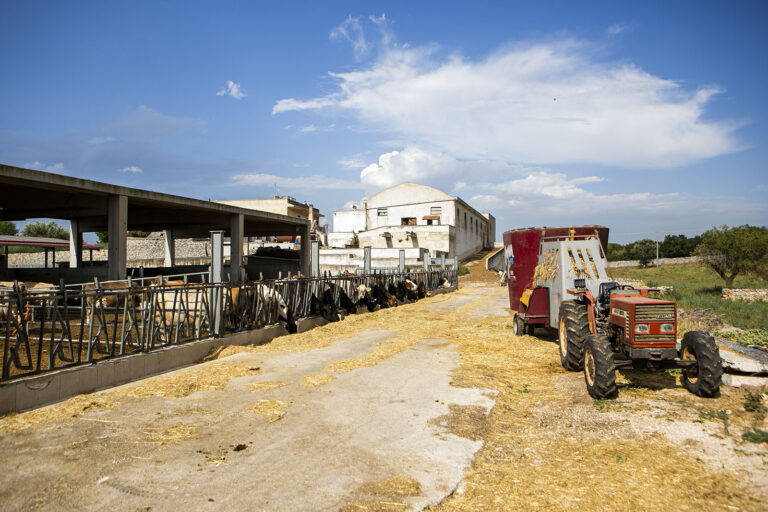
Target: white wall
<point x="349" y="220"/>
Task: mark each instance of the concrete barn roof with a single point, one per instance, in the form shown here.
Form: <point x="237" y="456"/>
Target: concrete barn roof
<point x="27" y="194"/>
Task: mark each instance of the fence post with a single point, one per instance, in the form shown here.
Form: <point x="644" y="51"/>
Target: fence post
<point x="366" y="260"/>
<point x="217" y="275"/>
<point x="442" y="261"/>
<point x="425" y="260"/>
<point x="402" y="261"/>
<point x="456" y="264"/>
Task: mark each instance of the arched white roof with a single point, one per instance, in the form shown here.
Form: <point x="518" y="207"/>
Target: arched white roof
<point x="406" y="193"/>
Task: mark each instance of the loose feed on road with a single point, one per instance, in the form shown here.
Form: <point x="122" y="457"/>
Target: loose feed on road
<point x="545" y="443"/>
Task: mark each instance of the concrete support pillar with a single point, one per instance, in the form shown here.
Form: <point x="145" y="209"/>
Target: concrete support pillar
<point x="75" y="244"/>
<point x="4" y="259"/>
<point x="235" y="247"/>
<point x="306" y="251"/>
<point x="117" y="222"/>
<point x="401" y="265"/>
<point x="425" y="261"/>
<point x="442" y="261"/>
<point x="366" y="260"/>
<point x="170" y="249"/>
<point x="456" y="263"/>
<point x="217" y="277"/>
<point x="315" y="259"/>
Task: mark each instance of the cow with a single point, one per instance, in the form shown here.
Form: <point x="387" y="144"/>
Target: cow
<point x="107" y="295"/>
<point x="8" y="304"/>
<point x="362" y="297"/>
<point x="325" y="307"/>
<point x="272" y="298"/>
<point x="383" y="297"/>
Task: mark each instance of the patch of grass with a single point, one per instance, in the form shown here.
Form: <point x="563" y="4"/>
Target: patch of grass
<point x="675" y="371"/>
<point x="755" y="436"/>
<point x="697" y="287"/>
<point x="746" y="337"/>
<point x="525" y="389"/>
<point x="602" y="404"/>
<point x="753" y="402"/>
<point x="720" y="414"/>
<point x="619" y="457"/>
<point x="463" y="270"/>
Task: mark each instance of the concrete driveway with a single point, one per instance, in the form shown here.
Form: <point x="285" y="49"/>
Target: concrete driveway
<point x="277" y="430"/>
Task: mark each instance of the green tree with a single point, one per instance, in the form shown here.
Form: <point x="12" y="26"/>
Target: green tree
<point x="43" y="230"/>
<point x="674" y="246"/>
<point x="732" y="251"/>
<point x="8" y="228"/>
<point x="644" y="251"/>
<point x="616" y="252"/>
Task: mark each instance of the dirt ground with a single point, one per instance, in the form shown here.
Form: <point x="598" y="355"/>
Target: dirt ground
<point x="530" y="436"/>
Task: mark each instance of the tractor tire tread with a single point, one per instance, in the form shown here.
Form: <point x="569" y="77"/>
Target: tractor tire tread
<point x="577" y="328"/>
<point x="605" y="368"/>
<point x="709" y="363"/>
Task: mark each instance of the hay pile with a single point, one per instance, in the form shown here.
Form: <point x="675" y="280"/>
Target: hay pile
<point x="183" y="383"/>
<point x="385" y="495"/>
<point x="317" y="379"/>
<point x="275" y="409"/>
<point x="70" y="409"/>
<point x="265" y="386"/>
<point x="171" y="434"/>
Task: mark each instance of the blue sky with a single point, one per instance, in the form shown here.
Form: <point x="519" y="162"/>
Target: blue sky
<point x="647" y="117"/>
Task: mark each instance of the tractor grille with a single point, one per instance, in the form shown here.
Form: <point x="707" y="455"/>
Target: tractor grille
<point x="655" y="313"/>
<point x="654" y="338"/>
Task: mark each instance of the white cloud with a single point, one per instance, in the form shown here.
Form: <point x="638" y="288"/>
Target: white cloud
<point x="132" y="169"/>
<point x="353" y="163"/>
<point x="352" y="31"/>
<point x="545" y="104"/>
<point x="434" y="168"/>
<point x="308" y="128"/>
<point x="314" y="182"/>
<point x="232" y="90"/>
<point x="146" y="121"/>
<point x="617" y="28"/>
<point x="57" y="168"/>
<point x="101" y="140"/>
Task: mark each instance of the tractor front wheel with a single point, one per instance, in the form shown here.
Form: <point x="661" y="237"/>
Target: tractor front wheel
<point x="573" y="327"/>
<point x="704" y="378"/>
<point x="599" y="367"/>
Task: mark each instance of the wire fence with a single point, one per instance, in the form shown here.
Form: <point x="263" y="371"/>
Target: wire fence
<point x="44" y="328"/>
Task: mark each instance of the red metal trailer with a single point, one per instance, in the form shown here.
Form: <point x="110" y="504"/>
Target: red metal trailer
<point x="521" y="248"/>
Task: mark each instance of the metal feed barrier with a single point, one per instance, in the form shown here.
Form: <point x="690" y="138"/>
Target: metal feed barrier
<point x="44" y="330"/>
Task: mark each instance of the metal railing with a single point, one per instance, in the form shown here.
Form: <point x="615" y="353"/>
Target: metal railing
<point x="48" y="329"/>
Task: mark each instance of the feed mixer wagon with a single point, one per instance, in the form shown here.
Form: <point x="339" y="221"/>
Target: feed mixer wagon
<point x="558" y="278"/>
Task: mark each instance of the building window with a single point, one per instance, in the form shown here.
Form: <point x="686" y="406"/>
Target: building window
<point x="408" y="221"/>
<point x="381" y="212"/>
<point x="435" y="210"/>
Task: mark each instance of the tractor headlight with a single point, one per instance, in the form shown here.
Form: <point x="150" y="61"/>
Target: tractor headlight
<point x="642" y="329"/>
<point x="667" y="328"/>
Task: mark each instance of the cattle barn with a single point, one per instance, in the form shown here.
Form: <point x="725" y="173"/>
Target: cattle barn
<point x="92" y="206"/>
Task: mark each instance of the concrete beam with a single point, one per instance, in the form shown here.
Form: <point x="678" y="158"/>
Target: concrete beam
<point x="117" y="222"/>
<point x="75" y="244"/>
<point x="235" y="247"/>
<point x="217" y="276"/>
<point x="306" y="251"/>
<point x="170" y="249"/>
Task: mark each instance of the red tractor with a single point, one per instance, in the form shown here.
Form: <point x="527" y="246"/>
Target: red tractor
<point x="558" y="278"/>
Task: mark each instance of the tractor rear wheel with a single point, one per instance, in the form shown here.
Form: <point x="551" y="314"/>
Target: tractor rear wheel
<point x="529" y="328"/>
<point x="573" y="327"/>
<point x="704" y="378"/>
<point x="599" y="367"/>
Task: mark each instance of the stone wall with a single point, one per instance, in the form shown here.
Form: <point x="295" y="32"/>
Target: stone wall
<point x="746" y="295"/>
<point x="147" y="252"/>
<point x="660" y="261"/>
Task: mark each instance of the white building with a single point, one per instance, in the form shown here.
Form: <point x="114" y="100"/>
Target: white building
<point x="415" y="216"/>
